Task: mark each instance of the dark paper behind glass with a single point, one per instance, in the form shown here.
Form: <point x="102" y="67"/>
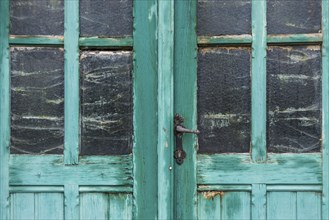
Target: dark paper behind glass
<point x="224" y="98"/>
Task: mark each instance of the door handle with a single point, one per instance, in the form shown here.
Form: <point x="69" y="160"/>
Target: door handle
<point x="179" y="130"/>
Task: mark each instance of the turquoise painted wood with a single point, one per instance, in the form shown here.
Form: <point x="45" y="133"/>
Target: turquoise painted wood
<point x="145" y="158"/>
<point x="71" y="83"/>
<point x="209" y="205"/>
<point x="4" y="109"/>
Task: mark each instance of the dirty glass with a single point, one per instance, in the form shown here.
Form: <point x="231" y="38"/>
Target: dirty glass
<point x="294" y="99"/>
<point x="293" y="17"/>
<point x="223" y="17"/>
<point x="37" y="17"/>
<point x="224" y="97"/>
<point x="108" y="18"/>
<point x="37" y="100"/>
<point x="106" y="102"/>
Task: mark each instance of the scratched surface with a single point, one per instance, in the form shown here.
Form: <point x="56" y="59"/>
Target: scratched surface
<point x="106" y="102"/>
<point x="106" y="18"/>
<point x="294" y="99"/>
<point x="293" y="17"/>
<point x="219" y="17"/>
<point x="224" y="97"/>
<point x="37" y="100"/>
<point x="36" y="17"/>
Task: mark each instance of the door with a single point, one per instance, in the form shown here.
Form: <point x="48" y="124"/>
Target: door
<point x="78" y="85"/>
<point x="252" y="76"/>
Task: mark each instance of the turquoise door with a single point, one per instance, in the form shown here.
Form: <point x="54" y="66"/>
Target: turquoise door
<point x="252" y="76"/>
<point x="78" y="86"/>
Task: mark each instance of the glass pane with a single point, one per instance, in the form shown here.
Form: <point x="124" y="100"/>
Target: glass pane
<point x="293" y="17"/>
<point x="294" y="99"/>
<point x="224" y="98"/>
<point x="109" y="18"/>
<point x="36" y="17"/>
<point x="106" y="102"/>
<point x="219" y="17"/>
<point x="37" y="100"/>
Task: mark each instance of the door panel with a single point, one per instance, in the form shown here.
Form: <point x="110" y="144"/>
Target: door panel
<point x="258" y="101"/>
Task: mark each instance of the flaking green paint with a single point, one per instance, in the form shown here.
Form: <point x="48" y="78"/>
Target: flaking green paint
<point x="258" y="89"/>
<point x="4" y="109"/>
<point x="71" y="83"/>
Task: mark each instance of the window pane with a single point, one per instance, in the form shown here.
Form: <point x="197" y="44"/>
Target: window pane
<point x="37" y="17"/>
<point x="37" y="100"/>
<point x="293" y="17"/>
<point x="109" y="18"/>
<point x="294" y="99"/>
<point x="106" y="102"/>
<point x="224" y="98"/>
<point x="218" y="17"/>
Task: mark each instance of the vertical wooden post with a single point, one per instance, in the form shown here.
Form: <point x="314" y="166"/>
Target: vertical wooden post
<point x="258" y="72"/>
<point x="71" y="201"/>
<point x="325" y="109"/>
<point x="165" y="108"/>
<point x="145" y="109"/>
<point x="258" y="201"/>
<point x="4" y="109"/>
<point x="71" y="83"/>
<point x="185" y="104"/>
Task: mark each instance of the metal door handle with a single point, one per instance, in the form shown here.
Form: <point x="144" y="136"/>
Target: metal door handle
<point x="179" y="130"/>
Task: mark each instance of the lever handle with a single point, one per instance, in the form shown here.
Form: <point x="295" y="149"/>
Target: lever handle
<point x="179" y="129"/>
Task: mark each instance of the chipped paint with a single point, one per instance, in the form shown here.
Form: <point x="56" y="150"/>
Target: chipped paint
<point x="212" y="194"/>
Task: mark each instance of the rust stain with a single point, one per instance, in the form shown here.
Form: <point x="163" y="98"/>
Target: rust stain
<point x="212" y="194"/>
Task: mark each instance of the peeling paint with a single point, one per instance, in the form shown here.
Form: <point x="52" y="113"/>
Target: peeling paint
<point x="212" y="194"/>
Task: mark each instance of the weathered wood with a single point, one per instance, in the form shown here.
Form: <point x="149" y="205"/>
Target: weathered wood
<point x="4" y="110"/>
<point x="258" y="201"/>
<point x="71" y="83"/>
<point x="106" y="18"/>
<point x="258" y="91"/>
<point x="281" y="205"/>
<point x="36" y="40"/>
<point x="111" y="189"/>
<point x="94" y="206"/>
<point x="236" y="205"/>
<point x="36" y="189"/>
<point x="294" y="38"/>
<point x="185" y="104"/>
<point x="71" y="201"/>
<point x="309" y="205"/>
<point x="209" y="205"/>
<point x="325" y="109"/>
<point x="106" y="42"/>
<point x="106" y="102"/>
<point x="37" y="17"/>
<point x="120" y="206"/>
<point x="22" y="206"/>
<point x="50" y="170"/>
<point x="49" y="206"/>
<point x="145" y="110"/>
<point x="239" y="168"/>
<point x="233" y="187"/>
<point x="226" y="39"/>
<point x="293" y="188"/>
<point x="165" y="108"/>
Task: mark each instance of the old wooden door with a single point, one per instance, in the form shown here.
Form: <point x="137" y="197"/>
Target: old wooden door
<point x="252" y="76"/>
<point x="78" y="109"/>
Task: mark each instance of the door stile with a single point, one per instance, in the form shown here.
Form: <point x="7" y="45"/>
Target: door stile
<point x="325" y="109"/>
<point x="71" y="83"/>
<point x="145" y="78"/>
<point x="185" y="104"/>
<point x="165" y="108"/>
<point x="258" y="83"/>
<point x="4" y="109"/>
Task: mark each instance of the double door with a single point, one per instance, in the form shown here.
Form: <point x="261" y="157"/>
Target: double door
<point x="89" y="96"/>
